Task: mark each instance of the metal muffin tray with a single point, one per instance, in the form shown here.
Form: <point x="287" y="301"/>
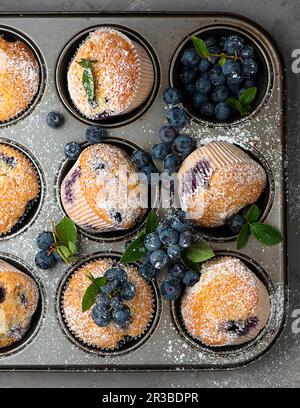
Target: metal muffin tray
<point x="166" y="346"/>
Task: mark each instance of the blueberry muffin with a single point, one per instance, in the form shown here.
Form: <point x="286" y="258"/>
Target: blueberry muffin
<point x="122" y="71"/>
<point x="218" y="180"/>
<point x="19" y="297"/>
<point x="228" y="306"/>
<point x="19" y="78"/>
<point x="82" y="325"/>
<point x="102" y="191"/>
<point x="18" y="186"/>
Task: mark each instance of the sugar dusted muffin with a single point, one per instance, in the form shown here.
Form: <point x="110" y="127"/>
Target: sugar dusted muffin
<point x="228" y="306"/>
<point x="19" y="78"/>
<point x="19" y="297"/>
<point x="18" y="186"/>
<point x="218" y="180"/>
<point x="122" y="70"/>
<point x="82" y="325"/>
<point x="101" y="192"/>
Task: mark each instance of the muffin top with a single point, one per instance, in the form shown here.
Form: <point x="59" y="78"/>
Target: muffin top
<point x="19" y="78"/>
<point x="81" y="323"/>
<point x="18" y="186"/>
<point x="116" y="73"/>
<point x="227" y="302"/>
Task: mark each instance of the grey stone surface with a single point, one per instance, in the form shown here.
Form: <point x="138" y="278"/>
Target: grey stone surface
<point x="281" y="366"/>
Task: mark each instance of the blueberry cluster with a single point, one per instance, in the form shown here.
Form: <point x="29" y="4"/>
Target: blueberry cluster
<point x="46" y="258"/>
<point x="165" y="247"/>
<point x="143" y="162"/>
<point x="207" y="83"/>
<point x="94" y="134"/>
<point x="110" y="304"/>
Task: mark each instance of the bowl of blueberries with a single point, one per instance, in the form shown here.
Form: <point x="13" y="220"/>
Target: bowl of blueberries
<point x="223" y="75"/>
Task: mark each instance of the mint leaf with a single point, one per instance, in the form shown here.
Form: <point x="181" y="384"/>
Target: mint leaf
<point x="189" y="264"/>
<point x="151" y="222"/>
<point x="243" y="109"/>
<point x="243" y="237"/>
<point x="253" y="213"/>
<point x="99" y="282"/>
<point x="66" y="231"/>
<point x="88" y="77"/>
<point x="232" y="102"/>
<point x="73" y="248"/>
<point x="65" y="251"/>
<point x="199" y="252"/>
<point x="248" y="96"/>
<point x="135" y="250"/>
<point x="200" y="47"/>
<point x="265" y="233"/>
<point x="222" y="60"/>
<point x="92" y="292"/>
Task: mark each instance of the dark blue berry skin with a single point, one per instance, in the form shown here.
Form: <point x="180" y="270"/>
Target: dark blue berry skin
<point x="231" y="68"/>
<point x="167" y="134"/>
<point x="190" y="89"/>
<point x="171" y="96"/>
<point x="236" y="223"/>
<point x="185" y="239"/>
<point x="152" y="242"/>
<point x="174" y="251"/>
<point x="128" y="291"/>
<point x="190" y="278"/>
<point x="183" y="145"/>
<point x="148" y="271"/>
<point x="207" y="109"/>
<point x="190" y="57"/>
<point x="210" y="41"/>
<point x="171" y="163"/>
<point x="94" y="134"/>
<point x="247" y="52"/>
<point x="176" y="271"/>
<point x="101" y="315"/>
<point x="168" y="236"/>
<point x="148" y="171"/>
<point x="117" y="274"/>
<point x="116" y="303"/>
<point x="203" y="85"/>
<point x="44" y="261"/>
<point x="160" y="151"/>
<point x="103" y="300"/>
<point x="222" y="111"/>
<point x="176" y="117"/>
<point x="159" y="259"/>
<point x="146" y="258"/>
<point x="187" y="74"/>
<point x="203" y="65"/>
<point x="198" y="98"/>
<point x="140" y="158"/>
<point x="179" y="221"/>
<point x="121" y="316"/>
<point x="234" y="81"/>
<point x="110" y="286"/>
<point x="216" y="76"/>
<point x="222" y="43"/>
<point x="55" y="120"/>
<point x="213" y="49"/>
<point x="220" y="93"/>
<point x="234" y="44"/>
<point x="170" y="289"/>
<point x="249" y="68"/>
<point x="44" y="240"/>
<point x="249" y="83"/>
<point x="72" y="150"/>
<point x="56" y="256"/>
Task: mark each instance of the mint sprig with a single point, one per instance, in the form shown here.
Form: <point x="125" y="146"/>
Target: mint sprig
<point x="65" y="240"/>
<point x="92" y="291"/>
<point x="88" y="77"/>
<point x="243" y="104"/>
<point x="264" y="233"/>
<point x="203" y="51"/>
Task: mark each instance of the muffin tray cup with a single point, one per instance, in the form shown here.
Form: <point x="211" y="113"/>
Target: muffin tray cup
<point x="55" y="37"/>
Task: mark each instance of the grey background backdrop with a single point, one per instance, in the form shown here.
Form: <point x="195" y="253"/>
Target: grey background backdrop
<point x="281" y="366"/>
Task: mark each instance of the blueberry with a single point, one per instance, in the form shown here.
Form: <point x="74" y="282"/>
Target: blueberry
<point x="213" y="49"/>
<point x="174" y="251"/>
<point x="190" y="278"/>
<point x="207" y="109"/>
<point x="234" y="81"/>
<point x="121" y="316"/>
<point x="170" y="289"/>
<point x="234" y="44"/>
<point x="116" y="302"/>
<point x="236" y="223"/>
<point x="152" y="242"/>
<point x="167" y="134"/>
<point x="187" y="74"/>
<point x="220" y="93"/>
<point x="55" y="120"/>
<point x="117" y="274"/>
<point x="247" y="52"/>
<point x="203" y="65"/>
<point x="128" y="291"/>
<point x="179" y="221"/>
<point x="185" y="239"/>
<point x="168" y="236"/>
<point x="197" y="99"/>
<point x="176" y="271"/>
<point x="56" y="256"/>
<point x="101" y="315"/>
<point x="103" y="300"/>
<point x="249" y="68"/>
<point x="176" y="117"/>
<point x="44" y="261"/>
<point x="146" y="258"/>
<point x="231" y="68"/>
<point x="94" y="134"/>
<point x="216" y="75"/>
<point x="140" y="158"/>
<point x="171" y="163"/>
<point x="160" y="151"/>
<point x="203" y="84"/>
<point x="171" y="96"/>
<point x="148" y="271"/>
<point x="249" y="83"/>
<point x="190" y="89"/>
<point x="166" y="223"/>
<point x="222" y="111"/>
<point x="148" y="171"/>
<point x="110" y="286"/>
<point x="183" y="145"/>
<point x="210" y="41"/>
<point x="190" y="57"/>
<point x="72" y="150"/>
<point x="159" y="259"/>
<point x="44" y="240"/>
<point x="222" y="43"/>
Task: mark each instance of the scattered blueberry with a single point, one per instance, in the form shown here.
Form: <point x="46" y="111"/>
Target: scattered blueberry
<point x="159" y="259"/>
<point x="190" y="278"/>
<point x="171" y="163"/>
<point x="171" y="96"/>
<point x="128" y="291"/>
<point x="167" y="134"/>
<point x="177" y="117"/>
<point x="207" y="109"/>
<point x="220" y="93"/>
<point x="152" y="242"/>
<point x="140" y="158"/>
<point x="117" y="274"/>
<point x="174" y="251"/>
<point x="160" y="151"/>
<point x="121" y="316"/>
<point x="168" y="236"/>
<point x="187" y="74"/>
<point x="183" y="145"/>
<point x="176" y="271"/>
<point x="170" y="289"/>
<point x="148" y="271"/>
<point x="43" y="260"/>
<point x="185" y="239"/>
<point x="94" y="134"/>
<point x="44" y="240"/>
<point x="55" y="119"/>
<point x="222" y="111"/>
<point x="72" y="150"/>
<point x="190" y="57"/>
<point x="101" y="315"/>
<point x="236" y="223"/>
